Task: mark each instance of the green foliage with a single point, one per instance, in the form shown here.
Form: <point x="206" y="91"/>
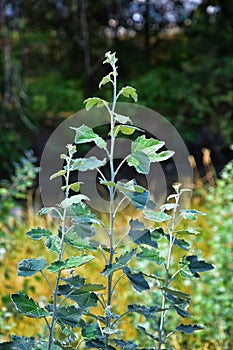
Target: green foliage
<point x="71" y="297"/>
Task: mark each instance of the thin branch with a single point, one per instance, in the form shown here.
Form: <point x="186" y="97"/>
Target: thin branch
<point x="120" y="165"/>
<point x="119" y="242"/>
<point x="115" y="284"/>
<point x="118" y="206"/>
<point x="125" y="313"/>
<point x="47" y="280"/>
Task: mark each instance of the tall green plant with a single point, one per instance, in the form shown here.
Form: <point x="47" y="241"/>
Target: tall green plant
<point x="72" y="297"/>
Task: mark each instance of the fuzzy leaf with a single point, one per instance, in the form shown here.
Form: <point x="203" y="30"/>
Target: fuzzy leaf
<point x="78" y="242"/>
<point x="140" y="235"/>
<point x="121" y="262"/>
<point x="29" y="267"/>
<point x="69" y="315"/>
<point x="28" y="306"/>
<point x="188" y="328"/>
<point x="125" y="129"/>
<point x="157" y="216"/>
<point x="180" y="243"/>
<point x="53" y="243"/>
<point x="140" y="161"/>
<point x="122" y="119"/>
<point x="18" y="343"/>
<point x="73" y="261"/>
<point x="91" y="102"/>
<point x="136" y="279"/>
<point x="147" y="333"/>
<point x="151" y="255"/>
<point x="85" y="134"/>
<point x="75" y="186"/>
<point x="38" y="233"/>
<point x="84" y="164"/>
<point x="129" y="91"/>
<point x="91" y="331"/>
<point x="144" y="310"/>
<point x="196" y="265"/>
<point x="106" y="79"/>
<point x="182" y="312"/>
<point x="59" y="173"/>
<point x="191" y="214"/>
<point x="137" y="195"/>
<point x="176" y="293"/>
<point x="125" y="345"/>
<point x="73" y="200"/>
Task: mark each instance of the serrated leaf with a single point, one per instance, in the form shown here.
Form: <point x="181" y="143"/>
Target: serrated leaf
<point x="53" y="243"/>
<point x="66" y="331"/>
<point x="98" y="344"/>
<point x="45" y="210"/>
<point x="121" y="262"/>
<point x="196" y="265"/>
<point x="28" y="306"/>
<point x="106" y="79"/>
<point x="191" y="214"/>
<point x="140" y="235"/>
<point x="188" y="328"/>
<point x="151" y="255"/>
<point x="73" y="261"/>
<point x="136" y="279"/>
<point x="38" y="233"/>
<point x="74" y="281"/>
<point x="107" y="183"/>
<point x="122" y="119"/>
<point x="94" y="101"/>
<point x="187" y="232"/>
<point x="59" y="173"/>
<point x="110" y="58"/>
<point x="157" y="216"/>
<point x="84" y="164"/>
<point x="69" y="315"/>
<point x="85" y="134"/>
<point x="129" y="91"/>
<point x="73" y="200"/>
<point x="89" y="287"/>
<point x="29" y="267"/>
<point x="147" y="312"/>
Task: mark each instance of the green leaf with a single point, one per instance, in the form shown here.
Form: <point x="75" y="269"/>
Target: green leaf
<point x="66" y="331"/>
<point x="136" y="279"/>
<point x="168" y="206"/>
<point x="18" y="343"/>
<point x="74" y="281"/>
<point x="91" y="102"/>
<point x="188" y="328"/>
<point x="122" y="119"/>
<point x="125" y="345"/>
<point x="28" y="306"/>
<point x="53" y="243"/>
<point x="73" y="239"/>
<point x="129" y="91"/>
<point x="151" y="255"/>
<point x="148" y="333"/>
<point x="91" y="331"/>
<point x="140" y="161"/>
<point x="107" y="183"/>
<point x="84" y="229"/>
<point x="106" y="79"/>
<point x="69" y="315"/>
<point x="45" y="210"/>
<point x="176" y="293"/>
<point x="38" y="233"/>
<point x="182" y="312"/>
<point x="73" y="200"/>
<point x="140" y="235"/>
<point x="73" y="261"/>
<point x="85" y="134"/>
<point x="191" y="214"/>
<point x="29" y="267"/>
<point x="157" y="216"/>
<point x="180" y="243"/>
<point x="59" y="173"/>
<point x="75" y="186"/>
<point x="121" y="262"/>
<point x="137" y="195"/>
<point x="125" y="129"/>
<point x="110" y="58"/>
<point x="189" y="231"/>
<point x="148" y="147"/>
<point x="196" y="265"/>
<point x="84" y="164"/>
<point x="147" y="312"/>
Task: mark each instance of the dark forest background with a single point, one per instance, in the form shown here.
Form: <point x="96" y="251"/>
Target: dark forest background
<point x="177" y="54"/>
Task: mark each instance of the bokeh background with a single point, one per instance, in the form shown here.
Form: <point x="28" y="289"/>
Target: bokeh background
<point x="178" y="55"/>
